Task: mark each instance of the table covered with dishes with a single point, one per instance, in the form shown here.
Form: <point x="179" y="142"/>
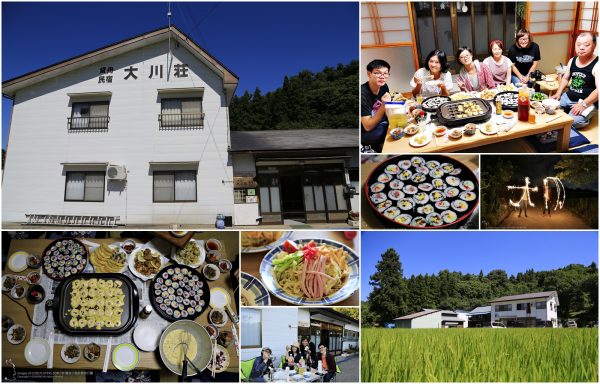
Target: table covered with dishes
<point x="121" y="304"/>
<point x="281" y="376"/>
<point x="299" y="268"/>
<point x="466" y="120"/>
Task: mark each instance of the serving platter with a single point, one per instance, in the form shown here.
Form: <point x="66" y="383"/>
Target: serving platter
<point x="454" y="113"/>
<point x="264" y="248"/>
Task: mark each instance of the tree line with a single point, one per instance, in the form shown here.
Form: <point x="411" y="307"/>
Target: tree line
<point x="327" y="99"/>
<point x="394" y="295"/>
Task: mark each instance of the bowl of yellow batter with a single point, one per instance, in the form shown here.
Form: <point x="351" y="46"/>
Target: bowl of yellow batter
<point x="172" y="346"/>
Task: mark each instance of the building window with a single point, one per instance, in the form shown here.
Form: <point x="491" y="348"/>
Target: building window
<point x="181" y="113"/>
<point x="521" y="306"/>
<point x="540" y="305"/>
<point x="239" y="196"/>
<point x="84" y="186"/>
<point x="252" y="335"/>
<point x="504" y="308"/>
<point x="269" y="193"/>
<point x="174" y="186"/>
<point x="334" y="181"/>
<point x="91" y="115"/>
<point x="350" y="335"/>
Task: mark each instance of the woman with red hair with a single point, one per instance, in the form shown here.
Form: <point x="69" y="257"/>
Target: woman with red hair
<point x="499" y="65"/>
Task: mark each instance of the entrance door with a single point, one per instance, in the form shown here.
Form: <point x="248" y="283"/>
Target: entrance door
<point x="292" y="196"/>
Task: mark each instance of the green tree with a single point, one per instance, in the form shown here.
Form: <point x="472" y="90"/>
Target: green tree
<point x="578" y="170"/>
<point x="387" y="299"/>
<point x="350" y="312"/>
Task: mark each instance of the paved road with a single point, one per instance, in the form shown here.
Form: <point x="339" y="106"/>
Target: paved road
<point x="561" y="219"/>
<point x="350" y="372"/>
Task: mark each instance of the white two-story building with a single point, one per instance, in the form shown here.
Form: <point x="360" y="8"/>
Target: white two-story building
<point x="538" y="309"/>
<point x="138" y="129"/>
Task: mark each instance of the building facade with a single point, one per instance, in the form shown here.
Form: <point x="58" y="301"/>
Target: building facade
<point x="538" y="309"/>
<point x="138" y="130"/>
<point x="432" y="318"/>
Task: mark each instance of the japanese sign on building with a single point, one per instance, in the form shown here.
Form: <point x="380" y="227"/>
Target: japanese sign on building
<point x="107" y="74"/>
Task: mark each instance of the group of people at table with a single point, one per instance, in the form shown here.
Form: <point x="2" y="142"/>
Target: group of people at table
<point x="297" y="355"/>
<point x="580" y="79"/>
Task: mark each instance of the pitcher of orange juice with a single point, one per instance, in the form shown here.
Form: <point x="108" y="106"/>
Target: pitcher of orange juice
<point x="396" y="114"/>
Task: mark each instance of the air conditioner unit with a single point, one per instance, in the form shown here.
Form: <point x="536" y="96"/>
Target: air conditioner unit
<point x="116" y="172"/>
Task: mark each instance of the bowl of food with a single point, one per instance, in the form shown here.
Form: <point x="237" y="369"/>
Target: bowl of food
<point x="211" y="272"/>
<point x="470" y="129"/>
<point x="16" y="334"/>
<point x="36" y="294"/>
<point x="411" y="129"/>
<point x="198" y="351"/>
<point x="538" y="96"/>
<point x="221" y="360"/>
<point x="70" y="353"/>
<point x="456" y="133"/>
<point x="7" y="322"/>
<point x="8" y="282"/>
<point x="214" y="257"/>
<point x="326" y="272"/>
<point x="253" y="292"/>
<point x="440" y="131"/>
<point x="192" y="254"/>
<point x="217" y="317"/>
<point x="34" y="261"/>
<point x="128" y="246"/>
<point x="508" y="114"/>
<point x="179" y="233"/>
<point x="33" y="278"/>
<point x="91" y="351"/>
<point x="213" y="331"/>
<point x="552" y="103"/>
<point x="18" y="291"/>
<point x="397" y="133"/>
<point x="225" y="266"/>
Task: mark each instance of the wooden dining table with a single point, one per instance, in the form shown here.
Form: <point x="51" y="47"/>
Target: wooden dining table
<point x="560" y="122"/>
<point x="79" y="370"/>
<point x="251" y="261"/>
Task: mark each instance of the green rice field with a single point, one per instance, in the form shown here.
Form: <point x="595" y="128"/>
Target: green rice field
<point x="479" y="355"/>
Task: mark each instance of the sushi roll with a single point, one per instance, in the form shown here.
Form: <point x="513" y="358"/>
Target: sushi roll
<point x="436" y="173"/>
<point x="419" y="177"/>
<point x="447" y="167"/>
<point x="163" y="307"/>
<point x="395" y="194"/>
<point x="418" y="221"/>
<point x="425" y="187"/>
<point x="416" y="161"/>
<point x="168" y="282"/>
<point x="449" y="216"/>
<point x="179" y="299"/>
<point x="201" y="303"/>
<point x="453" y="181"/>
<point x="391" y="212"/>
<point x="195" y="278"/>
<point x="437" y="196"/>
<point x="459" y="205"/>
<point x="193" y="303"/>
<point x="179" y="292"/>
<point x="170" y="271"/>
<point x="176" y="314"/>
<point x="438" y="184"/>
<point x="191" y="311"/>
<point x="404" y="218"/>
<point x="384" y="205"/>
<point x="422" y="169"/>
<point x="410" y="189"/>
<point x="421" y="198"/>
<point x="184" y="313"/>
<point x="186" y="302"/>
<point x="406" y="204"/>
<point x="426" y="209"/>
<point x="174" y="304"/>
<point x="175" y="285"/>
<point x="157" y="291"/>
<point x="169" y="312"/>
<point x="186" y="295"/>
<point x="405" y="175"/>
<point x="435" y="219"/>
<point x="160" y="300"/>
<point x="432" y="164"/>
<point x="443" y="204"/>
<point x="180" y="306"/>
<point x="171" y="290"/>
<point x="177" y="270"/>
<point x="165" y="275"/>
<point x="198" y="308"/>
<point x="451" y="192"/>
<point x="467" y="185"/>
<point x="405" y="164"/>
<point x="165" y="294"/>
<point x="375" y="198"/>
<point x="377" y="187"/>
<point x="396" y="184"/>
<point x="384" y="178"/>
<point x="392" y="169"/>
<point x="456" y="171"/>
<point x="468" y="196"/>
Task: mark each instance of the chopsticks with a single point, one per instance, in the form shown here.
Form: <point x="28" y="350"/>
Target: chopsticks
<point x="107" y="356"/>
<point x="214" y="353"/>
<point x="235" y="339"/>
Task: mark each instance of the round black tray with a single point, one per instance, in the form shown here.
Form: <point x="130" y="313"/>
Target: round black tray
<point x="465" y="120"/>
<point x="434" y="110"/>
<point x="62" y="304"/>
<point x="514" y="109"/>
<point x="372" y="178"/>
<point x="205" y="293"/>
<point x="84" y="260"/>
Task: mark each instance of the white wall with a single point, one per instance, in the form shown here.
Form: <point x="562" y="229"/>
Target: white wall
<point x="401" y="61"/>
<point x="245" y="214"/>
<point x="542" y="314"/>
<point x="433" y="320"/>
<point x="40" y="141"/>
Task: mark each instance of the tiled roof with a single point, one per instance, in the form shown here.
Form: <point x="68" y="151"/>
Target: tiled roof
<point x="297" y="139"/>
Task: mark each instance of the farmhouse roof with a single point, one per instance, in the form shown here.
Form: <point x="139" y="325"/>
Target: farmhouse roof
<point x="481" y="310"/>
<point x="536" y="295"/>
<point x="424" y="312"/>
<point x="297" y="139"/>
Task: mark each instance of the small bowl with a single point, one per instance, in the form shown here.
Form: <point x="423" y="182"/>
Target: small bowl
<point x="128" y="246"/>
<point x="33" y="278"/>
<point x="508" y="114"/>
<point x="15" y="328"/>
<point x="470" y="129"/>
<point x="75" y="350"/>
<point x="440" y="131"/>
<point x="214" y="312"/>
<point x="550" y="110"/>
<point x="8" y="282"/>
<point x="455" y="133"/>
<point x="7" y="322"/>
<point x="92" y="351"/>
<point x="213" y="257"/>
<point x="411" y="129"/>
<point x="397" y="133"/>
<point x="213" y="331"/>
<point x="34" y="261"/>
<point x="36" y="294"/>
<point x="211" y="272"/>
<point x="179" y="233"/>
<point x="225" y="265"/>
<point x="18" y="292"/>
<point x="212" y="245"/>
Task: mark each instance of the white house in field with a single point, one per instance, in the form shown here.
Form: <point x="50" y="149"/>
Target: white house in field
<point x="538" y="309"/>
<point x="432" y="318"/>
<point x="137" y="130"/>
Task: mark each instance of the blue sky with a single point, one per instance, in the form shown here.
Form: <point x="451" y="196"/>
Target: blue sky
<point x="470" y="252"/>
<point x="259" y="42"/>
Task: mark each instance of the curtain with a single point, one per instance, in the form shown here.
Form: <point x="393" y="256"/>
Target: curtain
<point x="309" y="200"/>
<point x="99" y="114"/>
<point x="265" y="205"/>
<point x="185" y="186"/>
<point x="81" y="113"/>
<point x="75" y="186"/>
<point x="341" y="202"/>
<point x="172" y="108"/>
<point x="164" y="187"/>
<point x="330" y="196"/>
<point x="251" y="337"/>
<point x="94" y="187"/>
<point x="192" y="110"/>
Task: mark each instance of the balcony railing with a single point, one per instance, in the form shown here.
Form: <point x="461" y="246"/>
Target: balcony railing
<point x="90" y="122"/>
<point x="181" y="120"/>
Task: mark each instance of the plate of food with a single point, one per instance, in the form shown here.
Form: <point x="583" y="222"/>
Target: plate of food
<point x="144" y="262"/>
<point x="91" y="351"/>
<point x="192" y="254"/>
<point x="63" y="258"/>
<point x="221" y="359"/>
<point x="487" y="94"/>
<point x="411" y="129"/>
<point x="70" y="353"/>
<point x="253" y="292"/>
<point x="488" y="128"/>
<point x="217" y="317"/>
<point x="538" y="96"/>
<point x="16" y="334"/>
<point x="198" y="351"/>
<point x="460" y="96"/>
<point x="311" y="272"/>
<point x="420" y="140"/>
<point x="8" y="282"/>
<point x="262" y="241"/>
<point x="109" y="258"/>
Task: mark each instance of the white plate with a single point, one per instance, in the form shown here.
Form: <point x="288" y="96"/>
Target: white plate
<point x="125" y="357"/>
<point x="37" y="351"/>
<point x="9" y="334"/>
<point x="146" y="337"/>
<point x="225" y="364"/>
<point x="214" y="268"/>
<point x="17" y="262"/>
<point x="131" y="262"/>
<point x="6" y="277"/>
<point x="483" y="130"/>
<point x="201" y="258"/>
<point x="67" y="359"/>
<point x="219" y="298"/>
<point x="414" y="143"/>
<point x="225" y="317"/>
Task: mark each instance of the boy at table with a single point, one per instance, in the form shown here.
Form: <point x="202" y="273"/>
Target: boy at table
<point x="373" y="96"/>
<point x="581" y="98"/>
<point x="261" y="365"/>
<point x="328" y="362"/>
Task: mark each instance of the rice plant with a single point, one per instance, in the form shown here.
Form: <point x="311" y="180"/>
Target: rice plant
<point x="479" y="355"/>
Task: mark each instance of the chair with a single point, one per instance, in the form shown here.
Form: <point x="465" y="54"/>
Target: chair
<point x="246" y="369"/>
